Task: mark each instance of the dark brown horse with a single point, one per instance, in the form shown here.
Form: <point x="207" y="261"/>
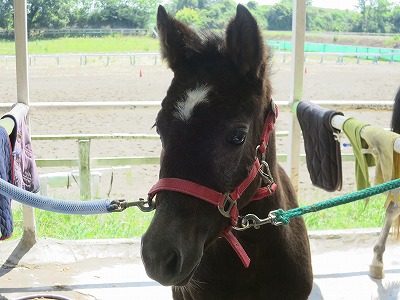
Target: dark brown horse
<point x="216" y="127"/>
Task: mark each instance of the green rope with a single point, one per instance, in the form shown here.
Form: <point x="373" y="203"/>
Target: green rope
<point x="284" y="217"/>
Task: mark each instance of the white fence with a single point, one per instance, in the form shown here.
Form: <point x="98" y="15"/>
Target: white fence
<point x="137" y="58"/>
<point x="82" y="59"/>
<point x="84" y="31"/>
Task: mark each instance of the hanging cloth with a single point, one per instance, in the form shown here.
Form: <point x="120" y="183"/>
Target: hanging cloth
<point x="6" y="220"/>
<point x="387" y="160"/>
<point x="26" y="175"/>
<point x="352" y="128"/>
<point x="323" y="157"/>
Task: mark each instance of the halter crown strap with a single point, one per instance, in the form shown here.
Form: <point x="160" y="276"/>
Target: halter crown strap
<point x="268" y="127"/>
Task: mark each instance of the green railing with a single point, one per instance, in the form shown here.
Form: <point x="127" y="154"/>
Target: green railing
<point x="384" y="53"/>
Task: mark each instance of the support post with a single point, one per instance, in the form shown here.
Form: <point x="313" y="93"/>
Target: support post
<point x="21" y="56"/>
<point x="298" y="38"/>
<point x="84" y="169"/>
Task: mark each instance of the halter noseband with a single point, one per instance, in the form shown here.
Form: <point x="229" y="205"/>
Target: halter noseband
<point x="227" y="203"/>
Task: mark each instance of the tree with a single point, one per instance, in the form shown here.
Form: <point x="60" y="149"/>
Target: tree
<point x="126" y="14"/>
<point x="280" y="16"/>
<point x="396" y="19"/>
<point x="375" y="15"/>
<point x="80" y="12"/>
<point x="178" y="5"/>
<point x="6" y="14"/>
<point x="218" y="15"/>
<point x="188" y="16"/>
<point x="48" y="13"/>
<point x="382" y="12"/>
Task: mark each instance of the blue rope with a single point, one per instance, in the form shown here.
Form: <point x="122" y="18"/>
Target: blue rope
<point x="77" y="207"/>
<point x="284" y="217"/>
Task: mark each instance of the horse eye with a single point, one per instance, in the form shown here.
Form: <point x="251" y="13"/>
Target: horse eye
<point x="238" y="137"/>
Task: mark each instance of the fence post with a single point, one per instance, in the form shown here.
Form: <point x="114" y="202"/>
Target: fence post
<point x="84" y="169"/>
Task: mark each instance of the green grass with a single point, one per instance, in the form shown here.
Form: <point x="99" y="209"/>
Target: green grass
<point x="85" y="45"/>
<point x="130" y="223"/>
<point x="351" y="215"/>
<point x="133" y="223"/>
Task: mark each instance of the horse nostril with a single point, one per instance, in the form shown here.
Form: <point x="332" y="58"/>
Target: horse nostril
<point x="172" y="263"/>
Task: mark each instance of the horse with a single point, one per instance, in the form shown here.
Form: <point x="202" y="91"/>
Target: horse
<point x="392" y="214"/>
<point x="217" y="164"/>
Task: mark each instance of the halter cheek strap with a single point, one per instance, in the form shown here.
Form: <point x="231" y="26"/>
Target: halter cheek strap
<point x="227" y="203"/>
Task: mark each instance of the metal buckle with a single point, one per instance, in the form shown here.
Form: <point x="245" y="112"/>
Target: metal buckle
<point x="253" y="221"/>
<point x="147" y="206"/>
<point x="121" y="204"/>
<point x="266" y="175"/>
<point x="265" y="145"/>
<point x="227" y="206"/>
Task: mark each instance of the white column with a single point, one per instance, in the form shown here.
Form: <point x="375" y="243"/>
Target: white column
<point x="21" y="55"/>
<point x="298" y="38"/>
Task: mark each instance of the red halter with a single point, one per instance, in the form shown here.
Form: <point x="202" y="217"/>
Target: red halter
<point x="227" y="203"/>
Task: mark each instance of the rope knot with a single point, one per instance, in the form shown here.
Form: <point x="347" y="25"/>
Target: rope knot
<point x="281" y="217"/>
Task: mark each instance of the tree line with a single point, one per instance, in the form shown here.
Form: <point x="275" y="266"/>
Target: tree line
<point x="377" y="16"/>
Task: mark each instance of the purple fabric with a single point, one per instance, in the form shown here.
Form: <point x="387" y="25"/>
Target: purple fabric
<point x="26" y="175"/>
<point x="6" y="221"/>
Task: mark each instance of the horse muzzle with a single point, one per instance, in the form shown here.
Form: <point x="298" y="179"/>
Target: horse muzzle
<point x="169" y="258"/>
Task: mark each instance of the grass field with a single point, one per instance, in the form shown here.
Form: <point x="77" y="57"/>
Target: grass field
<point x="119" y="43"/>
<point x="133" y="223"/>
<point x="106" y="44"/>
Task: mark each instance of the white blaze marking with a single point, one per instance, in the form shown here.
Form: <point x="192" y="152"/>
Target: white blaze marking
<point x="185" y="107"/>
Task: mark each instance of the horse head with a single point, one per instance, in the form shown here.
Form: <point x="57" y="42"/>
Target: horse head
<point x="210" y="123"/>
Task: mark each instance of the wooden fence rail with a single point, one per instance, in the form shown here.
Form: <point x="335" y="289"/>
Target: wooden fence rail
<point x="84" y="152"/>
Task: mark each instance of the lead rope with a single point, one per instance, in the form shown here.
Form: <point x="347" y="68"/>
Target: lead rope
<point x="77" y="207"/>
<point x="282" y="217"/>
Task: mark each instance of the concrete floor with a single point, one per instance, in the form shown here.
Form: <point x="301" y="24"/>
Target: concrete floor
<point x="111" y="269"/>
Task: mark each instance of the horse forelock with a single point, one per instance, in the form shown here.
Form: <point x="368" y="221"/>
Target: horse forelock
<point x="192" y="98"/>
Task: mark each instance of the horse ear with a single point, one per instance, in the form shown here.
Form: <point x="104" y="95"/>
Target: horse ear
<point x="244" y="42"/>
<point x="177" y="41"/>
